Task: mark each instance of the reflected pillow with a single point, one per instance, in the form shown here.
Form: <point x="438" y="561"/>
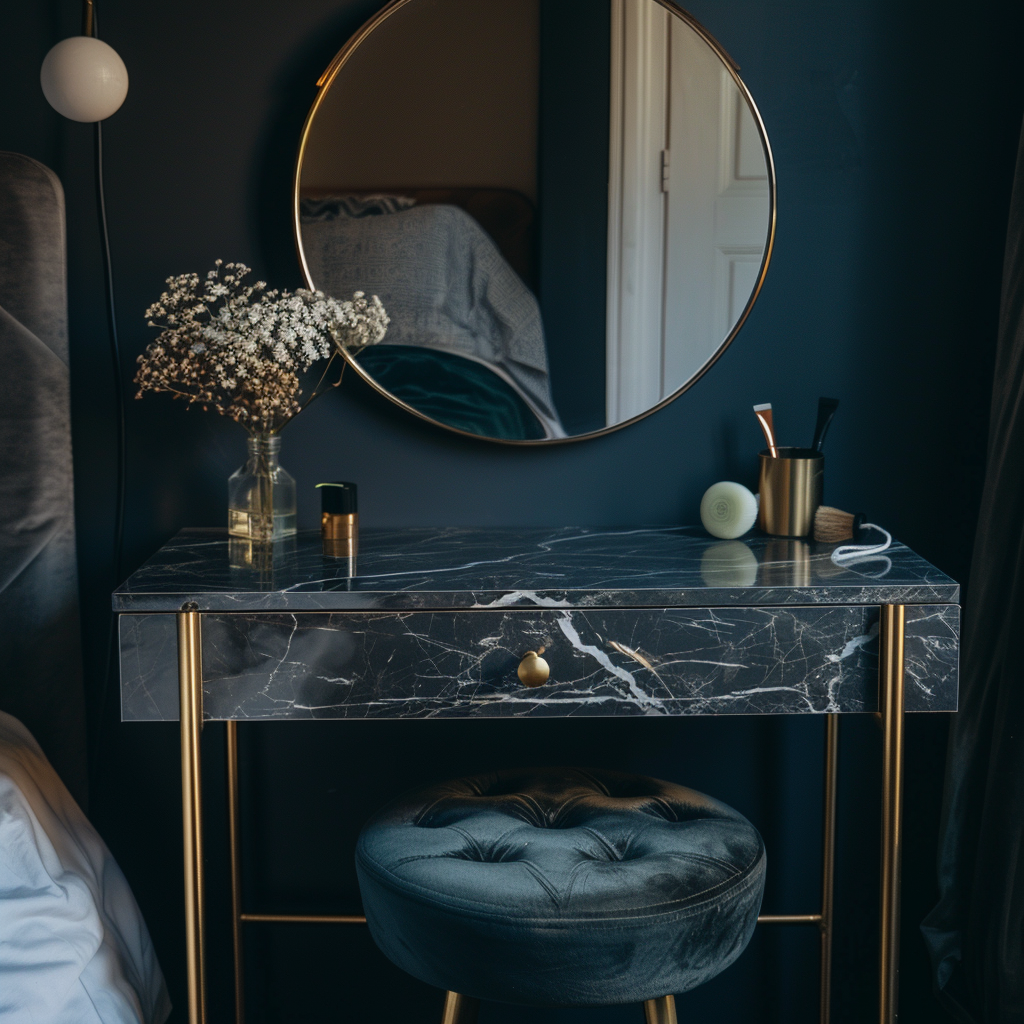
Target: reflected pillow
<point x="330" y="207"/>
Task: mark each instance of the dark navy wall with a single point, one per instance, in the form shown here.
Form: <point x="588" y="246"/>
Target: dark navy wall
<point x="572" y="184"/>
<point x="894" y="128"/>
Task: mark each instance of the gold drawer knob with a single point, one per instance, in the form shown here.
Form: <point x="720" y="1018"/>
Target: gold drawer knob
<point x="533" y="669"/>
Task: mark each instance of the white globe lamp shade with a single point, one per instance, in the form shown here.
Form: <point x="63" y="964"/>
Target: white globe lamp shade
<point x="84" y="79"/>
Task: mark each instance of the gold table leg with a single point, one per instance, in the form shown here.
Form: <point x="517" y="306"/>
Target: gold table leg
<point x="828" y="863"/>
<point x="190" y="684"/>
<point x="234" y="840"/>
<point x="823" y="919"/>
<point x="890" y="702"/>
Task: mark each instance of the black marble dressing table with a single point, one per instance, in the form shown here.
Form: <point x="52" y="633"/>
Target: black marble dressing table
<point x="633" y="622"/>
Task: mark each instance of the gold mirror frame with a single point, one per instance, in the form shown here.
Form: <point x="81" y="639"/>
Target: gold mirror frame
<point x="324" y="83"/>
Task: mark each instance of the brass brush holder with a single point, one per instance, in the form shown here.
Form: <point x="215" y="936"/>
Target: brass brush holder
<point x="791" y="488"/>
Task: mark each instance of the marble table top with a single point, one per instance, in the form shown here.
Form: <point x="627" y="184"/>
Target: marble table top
<point x="489" y="568"/>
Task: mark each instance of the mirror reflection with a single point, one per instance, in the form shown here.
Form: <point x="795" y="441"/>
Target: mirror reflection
<point x="565" y="206"/>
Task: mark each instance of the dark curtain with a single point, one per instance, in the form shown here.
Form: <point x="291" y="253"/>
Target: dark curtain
<point x="976" y="932"/>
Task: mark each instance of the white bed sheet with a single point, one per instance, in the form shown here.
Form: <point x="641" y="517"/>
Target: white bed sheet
<point x="73" y="946"/>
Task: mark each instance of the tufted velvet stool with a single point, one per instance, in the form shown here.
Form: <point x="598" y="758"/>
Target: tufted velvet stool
<point x="560" y="887"/>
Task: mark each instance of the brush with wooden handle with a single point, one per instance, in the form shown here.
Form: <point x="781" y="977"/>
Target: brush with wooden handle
<point x="764" y="417"/>
<point x="832" y="525"/>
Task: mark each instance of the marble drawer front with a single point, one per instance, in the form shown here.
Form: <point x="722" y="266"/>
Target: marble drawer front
<point x="679" y="661"/>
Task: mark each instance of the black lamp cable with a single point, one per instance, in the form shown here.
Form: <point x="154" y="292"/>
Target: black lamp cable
<point x="115" y="355"/>
<point x="89" y="28"/>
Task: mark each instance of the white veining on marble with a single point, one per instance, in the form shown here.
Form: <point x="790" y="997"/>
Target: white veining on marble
<point x="569" y="631"/>
<point x="519" y="596"/>
<point x="854" y="645"/>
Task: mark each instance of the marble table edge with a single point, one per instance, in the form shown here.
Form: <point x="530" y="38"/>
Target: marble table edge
<point x="430" y="601"/>
<point x="301" y="589"/>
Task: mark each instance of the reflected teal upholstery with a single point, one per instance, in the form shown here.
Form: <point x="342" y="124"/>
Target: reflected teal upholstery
<point x="561" y="887"/>
<point x="453" y="390"/>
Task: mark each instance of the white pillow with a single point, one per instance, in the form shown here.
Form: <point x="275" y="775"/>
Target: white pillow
<point x="73" y="946"/>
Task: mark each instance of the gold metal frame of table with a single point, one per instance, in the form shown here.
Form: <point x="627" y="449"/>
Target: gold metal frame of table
<point x="890" y="704"/>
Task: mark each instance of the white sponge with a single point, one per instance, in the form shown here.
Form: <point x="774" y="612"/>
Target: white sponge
<point x="728" y="510"/>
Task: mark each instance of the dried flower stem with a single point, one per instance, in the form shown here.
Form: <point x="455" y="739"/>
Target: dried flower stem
<point x="316" y="392"/>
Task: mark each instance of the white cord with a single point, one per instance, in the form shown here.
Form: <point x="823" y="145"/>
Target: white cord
<point x="851" y="554"/>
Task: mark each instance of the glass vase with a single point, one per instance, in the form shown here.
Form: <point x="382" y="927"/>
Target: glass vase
<point x="261" y="495"/>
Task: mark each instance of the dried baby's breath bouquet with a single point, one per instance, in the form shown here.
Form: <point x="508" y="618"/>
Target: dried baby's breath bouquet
<point x="242" y="350"/>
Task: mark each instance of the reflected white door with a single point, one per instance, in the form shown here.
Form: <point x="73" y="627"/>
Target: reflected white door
<point x="636" y="207"/>
<point x="687" y="221"/>
<point x="716" y="224"/>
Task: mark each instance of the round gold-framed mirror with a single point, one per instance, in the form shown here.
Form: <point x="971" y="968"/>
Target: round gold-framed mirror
<point x="567" y="207"/>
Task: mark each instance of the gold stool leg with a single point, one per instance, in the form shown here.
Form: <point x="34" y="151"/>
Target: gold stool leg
<point x="190" y="684"/>
<point x="890" y="701"/>
<point x="661" y="1011"/>
<point x="235" y="843"/>
<point x="459" y="1009"/>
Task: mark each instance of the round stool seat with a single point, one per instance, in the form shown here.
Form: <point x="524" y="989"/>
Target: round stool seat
<point x="561" y="887"/>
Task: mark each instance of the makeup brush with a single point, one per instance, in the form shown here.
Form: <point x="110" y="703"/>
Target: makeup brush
<point x="832" y="525"/>
<point x="764" y="417"/>
<point x="826" y="410"/>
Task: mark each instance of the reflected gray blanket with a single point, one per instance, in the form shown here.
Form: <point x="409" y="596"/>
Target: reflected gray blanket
<point x="40" y="656"/>
<point x="444" y="284"/>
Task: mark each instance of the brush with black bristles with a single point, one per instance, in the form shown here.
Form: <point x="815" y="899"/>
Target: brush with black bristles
<point x="826" y="410"/>
<point x="832" y="525"/>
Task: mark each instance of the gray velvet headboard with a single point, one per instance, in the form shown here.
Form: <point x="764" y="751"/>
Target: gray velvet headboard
<point x="40" y="643"/>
